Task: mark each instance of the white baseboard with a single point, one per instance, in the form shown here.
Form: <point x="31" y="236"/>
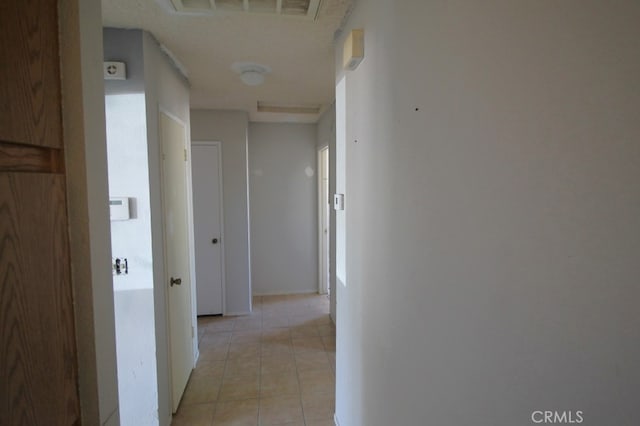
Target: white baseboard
<point x="335" y="419"/>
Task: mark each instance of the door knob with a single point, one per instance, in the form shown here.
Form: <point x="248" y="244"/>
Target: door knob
<point x="214" y="241"/>
<point x="175" y="281"/>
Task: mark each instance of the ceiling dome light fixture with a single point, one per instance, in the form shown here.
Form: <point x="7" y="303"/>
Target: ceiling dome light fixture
<point x="252" y="77"/>
<point x="251" y="74"/>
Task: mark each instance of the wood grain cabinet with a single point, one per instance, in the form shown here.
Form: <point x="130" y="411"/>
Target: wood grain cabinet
<point x="38" y="365"/>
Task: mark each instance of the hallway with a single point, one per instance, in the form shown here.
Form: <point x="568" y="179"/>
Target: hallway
<point x="274" y="367"/>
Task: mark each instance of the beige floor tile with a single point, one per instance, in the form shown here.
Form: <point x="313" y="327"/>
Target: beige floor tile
<point x="209" y="369"/>
<point x="236" y="413"/>
<point x="274" y="366"/>
<point x="283" y="383"/>
<point x="216" y="324"/>
<point x="242" y="387"/>
<point x="246" y="358"/>
<point x="318" y="372"/>
<point x="318" y="406"/>
<point x="201" y="389"/>
<point x="273" y="350"/>
<point x="248" y="324"/>
<point x="243" y="343"/>
<point x="323" y="320"/>
<point x="312" y="360"/>
<point x="329" y="343"/>
<point x="324" y="422"/>
<point x="246" y="336"/>
<point x="214" y="354"/>
<point x="243" y="366"/>
<point x="292" y="424"/>
<point x="332" y="361"/>
<point x="276" y="335"/>
<point x="194" y="415"/>
<point x="316" y="381"/>
<point x="278" y="364"/>
<point x="216" y="338"/>
<point x="304" y="331"/>
<point x="280" y="410"/>
<point x="269" y="300"/>
<point x="300" y="319"/>
<point x="244" y="350"/>
<point x="307" y="343"/>
<point x="326" y="330"/>
<point x="275" y="322"/>
<point x="279" y="349"/>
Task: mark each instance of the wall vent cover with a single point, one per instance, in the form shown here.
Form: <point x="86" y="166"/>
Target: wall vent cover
<point x="306" y="9"/>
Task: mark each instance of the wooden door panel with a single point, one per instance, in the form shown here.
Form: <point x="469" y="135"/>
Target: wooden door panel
<point x="38" y="373"/>
<point x="30" y="111"/>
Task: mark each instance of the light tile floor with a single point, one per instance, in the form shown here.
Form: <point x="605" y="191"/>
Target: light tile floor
<point x="274" y="367"/>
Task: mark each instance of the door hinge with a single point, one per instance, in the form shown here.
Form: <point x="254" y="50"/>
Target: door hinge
<point x="185" y="155"/>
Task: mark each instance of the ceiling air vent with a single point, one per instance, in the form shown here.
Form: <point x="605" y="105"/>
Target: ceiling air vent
<point x="288" y="108"/>
<point x="306" y="9"/>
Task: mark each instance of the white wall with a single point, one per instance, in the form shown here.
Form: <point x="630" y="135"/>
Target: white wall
<point x="167" y="90"/>
<point x="136" y="348"/>
<point x="492" y="214"/>
<point x="129" y="177"/>
<point x="230" y="128"/>
<point x="284" y="216"/>
<point x="326" y="137"/>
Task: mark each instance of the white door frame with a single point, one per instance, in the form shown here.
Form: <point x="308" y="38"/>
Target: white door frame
<point x="323" y="261"/>
<point x="221" y="204"/>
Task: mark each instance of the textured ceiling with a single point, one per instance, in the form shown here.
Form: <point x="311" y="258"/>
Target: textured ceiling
<point x="298" y="51"/>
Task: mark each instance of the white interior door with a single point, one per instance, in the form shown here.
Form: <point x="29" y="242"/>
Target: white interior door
<point x="207" y="216"/>
<point x="174" y="188"/>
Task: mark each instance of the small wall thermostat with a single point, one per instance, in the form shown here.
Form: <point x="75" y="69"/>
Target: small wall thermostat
<point x="338" y="201"/>
<point x="119" y="208"/>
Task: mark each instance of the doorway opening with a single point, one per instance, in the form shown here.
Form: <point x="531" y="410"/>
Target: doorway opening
<point x="131" y="243"/>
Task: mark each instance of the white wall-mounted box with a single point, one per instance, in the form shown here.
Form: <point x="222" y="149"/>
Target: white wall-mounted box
<point x="353" y="50"/>
<point x="115" y="71"/>
<point x="119" y="208"/>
